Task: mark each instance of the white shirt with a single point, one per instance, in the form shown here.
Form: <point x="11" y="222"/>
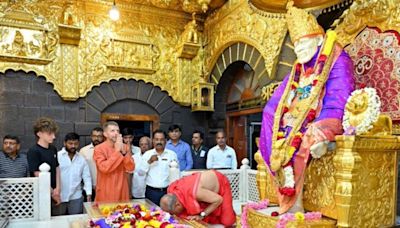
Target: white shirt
<point x="158" y="171"/>
<point x="72" y="174"/>
<point x="135" y="150"/>
<point x="138" y="178"/>
<point x="87" y="153"/>
<point x="218" y="158"/>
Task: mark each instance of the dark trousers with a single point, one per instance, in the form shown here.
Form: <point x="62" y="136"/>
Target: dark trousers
<point x="155" y="194"/>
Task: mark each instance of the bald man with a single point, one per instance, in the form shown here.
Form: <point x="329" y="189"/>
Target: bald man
<point x="203" y="196"/>
<point x="139" y="177"/>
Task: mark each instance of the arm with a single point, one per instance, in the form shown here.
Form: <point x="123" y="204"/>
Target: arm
<point x="207" y="196"/>
<point x="129" y="164"/>
<point x="209" y="163"/>
<point x="104" y="164"/>
<point x="189" y="159"/>
<point x="87" y="179"/>
<point x="234" y="160"/>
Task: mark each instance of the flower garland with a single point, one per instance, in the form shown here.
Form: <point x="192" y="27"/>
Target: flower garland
<point x="372" y="111"/>
<point x="256" y="206"/>
<point x="288" y="187"/>
<point x="298" y="216"/>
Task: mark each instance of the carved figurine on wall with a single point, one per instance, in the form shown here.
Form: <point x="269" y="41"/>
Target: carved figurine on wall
<point x="305" y="112"/>
<point x="190" y="34"/>
<point x="18" y="45"/>
<point x="69" y="15"/>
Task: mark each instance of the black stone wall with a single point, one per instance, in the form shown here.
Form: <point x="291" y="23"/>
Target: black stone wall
<point x="24" y="97"/>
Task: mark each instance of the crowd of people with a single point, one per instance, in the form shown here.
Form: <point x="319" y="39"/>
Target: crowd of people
<point x="111" y="168"/>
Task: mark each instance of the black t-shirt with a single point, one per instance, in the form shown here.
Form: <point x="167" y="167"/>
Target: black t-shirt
<point x="199" y="157"/>
<point x="38" y="155"/>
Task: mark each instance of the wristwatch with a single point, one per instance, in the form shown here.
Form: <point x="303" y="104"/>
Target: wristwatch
<point x="202" y="214"/>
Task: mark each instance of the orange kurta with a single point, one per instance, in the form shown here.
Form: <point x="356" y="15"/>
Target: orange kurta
<point x="112" y="184"/>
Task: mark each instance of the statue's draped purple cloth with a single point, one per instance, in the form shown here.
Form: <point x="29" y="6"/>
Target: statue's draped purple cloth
<point x="337" y="89"/>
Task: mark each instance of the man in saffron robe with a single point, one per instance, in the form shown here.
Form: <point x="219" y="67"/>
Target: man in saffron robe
<point x="203" y="196"/>
<point x="113" y="159"/>
<point x="305" y="112"/>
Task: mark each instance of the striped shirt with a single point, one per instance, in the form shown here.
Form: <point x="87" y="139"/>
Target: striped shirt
<point x="13" y="168"/>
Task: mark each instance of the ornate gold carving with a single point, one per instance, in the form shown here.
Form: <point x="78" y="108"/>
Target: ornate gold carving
<point x="236" y="22"/>
<point x="256" y="219"/>
<point x="383" y="14"/>
<point x="25" y="37"/>
<point x="381" y="127"/>
<point x="131" y="56"/>
<point x="319" y="186"/>
<point x="146" y="37"/>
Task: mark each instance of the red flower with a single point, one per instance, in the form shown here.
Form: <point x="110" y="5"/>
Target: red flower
<point x="314" y="82"/>
<point x="298" y="68"/>
<point x="287" y="191"/>
<point x="285" y="110"/>
<point x="164" y="224"/>
<point x="309" y="71"/>
<point x="137" y="215"/>
<point x="279" y="137"/>
<point x="322" y="58"/>
<point x="311" y="115"/>
<point x="362" y="85"/>
<point x="274" y="214"/>
<point x="296" y="142"/>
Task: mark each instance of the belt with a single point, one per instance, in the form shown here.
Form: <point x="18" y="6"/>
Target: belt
<point x="157" y="189"/>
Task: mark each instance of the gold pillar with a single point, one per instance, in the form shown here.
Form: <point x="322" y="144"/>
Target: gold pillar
<point x="69" y="42"/>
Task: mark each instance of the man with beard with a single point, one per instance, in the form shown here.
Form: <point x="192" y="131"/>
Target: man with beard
<point x="74" y="170"/>
<point x="155" y="163"/>
<point x="87" y="152"/>
<point x="113" y="159"/>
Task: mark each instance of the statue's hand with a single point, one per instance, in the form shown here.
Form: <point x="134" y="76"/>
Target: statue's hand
<point x="319" y="149"/>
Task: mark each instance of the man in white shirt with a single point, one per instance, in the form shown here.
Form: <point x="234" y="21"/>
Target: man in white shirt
<point x="74" y="169"/>
<point x="139" y="177"/>
<point x="221" y="156"/>
<point x="96" y="137"/>
<point x="156" y="165"/>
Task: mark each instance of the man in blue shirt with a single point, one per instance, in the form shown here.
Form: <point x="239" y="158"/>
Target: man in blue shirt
<point x="181" y="148"/>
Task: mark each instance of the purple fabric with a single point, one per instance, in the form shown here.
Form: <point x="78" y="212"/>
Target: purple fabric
<point x="338" y="87"/>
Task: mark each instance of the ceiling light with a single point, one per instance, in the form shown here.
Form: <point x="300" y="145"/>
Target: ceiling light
<point x="114" y="13"/>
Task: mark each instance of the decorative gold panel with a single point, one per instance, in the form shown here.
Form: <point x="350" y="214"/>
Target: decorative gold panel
<point x="384" y="14"/>
<point x="319" y="186"/>
<point x="75" y="46"/>
<point x="236" y="22"/>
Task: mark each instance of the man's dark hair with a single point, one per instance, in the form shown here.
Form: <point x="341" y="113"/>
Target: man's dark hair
<point x="173" y="127"/>
<point x="198" y="132"/>
<point x="127" y="131"/>
<point x="44" y="124"/>
<point x="98" y="129"/>
<point x="12" y="137"/>
<point x="159" y="131"/>
<point x="71" y="136"/>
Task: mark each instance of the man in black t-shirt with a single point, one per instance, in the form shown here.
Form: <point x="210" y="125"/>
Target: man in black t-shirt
<point x="199" y="151"/>
<point x="43" y="152"/>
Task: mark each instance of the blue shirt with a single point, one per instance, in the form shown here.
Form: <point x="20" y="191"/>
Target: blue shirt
<point x="182" y="150"/>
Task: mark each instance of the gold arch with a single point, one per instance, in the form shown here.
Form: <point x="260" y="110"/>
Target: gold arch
<point x="244" y="52"/>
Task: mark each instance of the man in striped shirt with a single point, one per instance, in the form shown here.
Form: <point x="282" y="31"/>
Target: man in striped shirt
<point x="12" y="163"/>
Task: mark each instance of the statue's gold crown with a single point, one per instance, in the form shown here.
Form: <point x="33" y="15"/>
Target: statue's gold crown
<point x="300" y="23"/>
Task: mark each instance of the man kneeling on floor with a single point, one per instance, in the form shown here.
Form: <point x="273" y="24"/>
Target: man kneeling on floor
<point x="203" y="196"/>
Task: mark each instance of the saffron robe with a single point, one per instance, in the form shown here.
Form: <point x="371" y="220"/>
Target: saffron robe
<point x="186" y="188"/>
<point x="112" y="184"/>
<point x="327" y="123"/>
